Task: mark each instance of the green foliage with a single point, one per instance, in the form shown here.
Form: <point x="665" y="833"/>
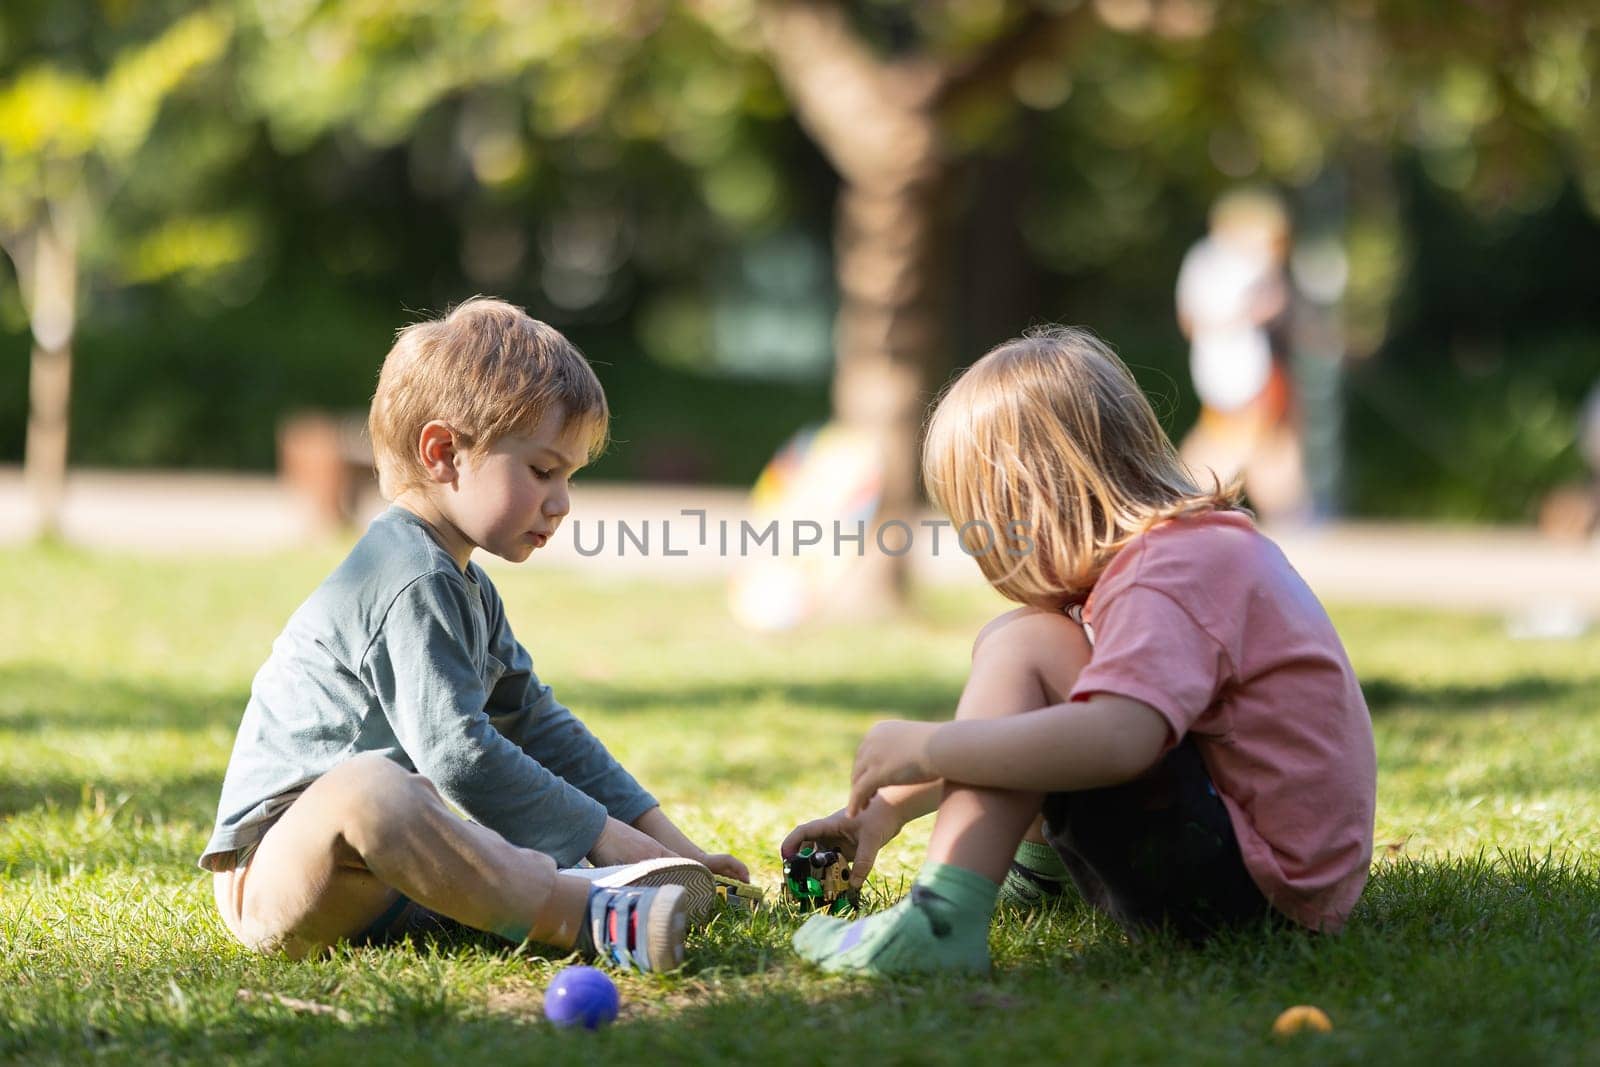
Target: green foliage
<point x="276" y="186"/>
<point x="244" y="368"/>
<point x="121" y="685"/>
<point x="1484" y="441"/>
<point x="69" y="135"/>
<point x="579" y="147"/>
<point x="1471" y="409"/>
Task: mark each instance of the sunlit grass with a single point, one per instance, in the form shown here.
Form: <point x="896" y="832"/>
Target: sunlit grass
<point x="121" y="682"/>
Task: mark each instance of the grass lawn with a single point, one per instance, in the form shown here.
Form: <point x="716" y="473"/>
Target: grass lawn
<point x="121" y="683"/>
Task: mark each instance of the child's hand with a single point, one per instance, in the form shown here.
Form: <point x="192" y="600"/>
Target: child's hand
<point x="660" y="828"/>
<point x="620" y="843"/>
<point x="894" y="752"/>
<point x="859" y="837"/>
<point x="725" y="865"/>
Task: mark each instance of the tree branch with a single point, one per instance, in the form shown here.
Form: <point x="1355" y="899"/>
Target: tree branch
<point x="1037" y="35"/>
<point x="877" y="119"/>
<point x="867" y="115"/>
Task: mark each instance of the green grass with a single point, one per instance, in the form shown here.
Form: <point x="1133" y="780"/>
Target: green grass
<point x="121" y="683"/>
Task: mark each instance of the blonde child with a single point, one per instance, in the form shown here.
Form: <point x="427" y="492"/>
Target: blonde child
<point x="1172" y="699"/>
<point x="397" y="690"/>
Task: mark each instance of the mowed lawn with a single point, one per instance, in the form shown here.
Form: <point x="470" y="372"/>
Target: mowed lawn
<point x="121" y="683"/>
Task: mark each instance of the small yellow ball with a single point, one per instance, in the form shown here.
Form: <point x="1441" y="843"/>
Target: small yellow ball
<point x="1301" y="1017"/>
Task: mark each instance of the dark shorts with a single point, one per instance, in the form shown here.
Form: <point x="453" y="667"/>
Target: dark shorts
<point x="1157" y="851"/>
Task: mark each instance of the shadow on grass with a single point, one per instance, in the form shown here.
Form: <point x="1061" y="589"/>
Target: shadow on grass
<point x="1468" y="960"/>
<point x="35" y="697"/>
<point x="190" y="797"/>
<point x="1526" y="693"/>
<point x="416" y="1029"/>
<point x="910" y="698"/>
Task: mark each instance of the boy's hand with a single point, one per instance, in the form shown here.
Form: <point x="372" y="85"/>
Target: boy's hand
<point x="894" y="752"/>
<point x="725" y="865"/>
<point x="620" y="843"/>
<point x="660" y="828"/>
<point x="859" y="837"/>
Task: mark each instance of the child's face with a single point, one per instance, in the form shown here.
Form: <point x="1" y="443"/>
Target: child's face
<point x="510" y="499"/>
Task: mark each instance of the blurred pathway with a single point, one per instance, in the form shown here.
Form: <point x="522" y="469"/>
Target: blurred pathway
<point x="1506" y="569"/>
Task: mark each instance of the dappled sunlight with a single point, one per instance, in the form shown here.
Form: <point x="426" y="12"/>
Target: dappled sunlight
<point x="111" y="775"/>
<point x="37" y="697"/>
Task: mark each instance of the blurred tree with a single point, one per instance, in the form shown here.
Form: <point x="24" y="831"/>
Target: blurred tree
<point x="604" y="158"/>
<point x="581" y="90"/>
<point x="882" y="111"/>
<point x="73" y="129"/>
<point x="1144" y="95"/>
<point x="579" y="143"/>
<point x="611" y="166"/>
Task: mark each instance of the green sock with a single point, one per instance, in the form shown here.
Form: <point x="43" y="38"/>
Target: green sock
<point x="1037" y="876"/>
<point x="1041" y="859"/>
<point x="943" y="925"/>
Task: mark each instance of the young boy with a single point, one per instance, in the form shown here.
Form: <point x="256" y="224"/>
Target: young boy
<point x="398" y="687"/>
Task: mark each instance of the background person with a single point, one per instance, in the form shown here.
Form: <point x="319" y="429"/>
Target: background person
<point x="1233" y="300"/>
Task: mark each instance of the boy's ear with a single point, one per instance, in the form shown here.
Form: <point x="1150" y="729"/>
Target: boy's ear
<point x="437" y="450"/>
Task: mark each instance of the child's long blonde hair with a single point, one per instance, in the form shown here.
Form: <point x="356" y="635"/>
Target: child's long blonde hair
<point x="1046" y="452"/>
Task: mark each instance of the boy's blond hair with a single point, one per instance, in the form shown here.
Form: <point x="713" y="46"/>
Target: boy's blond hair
<point x="1050" y="449"/>
<point x="486" y="369"/>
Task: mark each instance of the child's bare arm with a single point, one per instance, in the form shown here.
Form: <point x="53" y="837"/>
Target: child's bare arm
<point x="651" y="836"/>
<point x="656" y="824"/>
<point x="620" y="843"/>
<point x="1101" y="741"/>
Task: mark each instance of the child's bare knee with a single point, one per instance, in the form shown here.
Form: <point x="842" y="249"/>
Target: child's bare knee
<point x="994" y="626"/>
<point x="376" y="797"/>
<point x="1047" y="646"/>
<point x="365" y="773"/>
<point x="1029" y="629"/>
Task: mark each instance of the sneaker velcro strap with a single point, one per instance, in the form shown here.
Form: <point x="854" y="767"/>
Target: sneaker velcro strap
<point x="616" y="928"/>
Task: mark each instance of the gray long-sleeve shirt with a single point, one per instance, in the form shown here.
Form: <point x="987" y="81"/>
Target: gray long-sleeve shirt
<point x="399" y="652"/>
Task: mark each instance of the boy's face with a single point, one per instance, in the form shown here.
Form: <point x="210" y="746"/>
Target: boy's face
<point x="510" y="499"/>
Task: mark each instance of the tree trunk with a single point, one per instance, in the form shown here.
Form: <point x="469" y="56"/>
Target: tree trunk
<point x="999" y="290"/>
<point x="891" y="334"/>
<point x="47" y="265"/>
<point x="873" y="120"/>
<point x="878" y="120"/>
<point x="45" y="460"/>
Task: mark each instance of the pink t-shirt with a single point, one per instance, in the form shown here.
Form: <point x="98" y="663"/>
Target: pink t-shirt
<point x="1204" y="620"/>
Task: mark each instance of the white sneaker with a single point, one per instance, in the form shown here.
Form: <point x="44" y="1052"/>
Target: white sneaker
<point x="636" y="928"/>
<point x="699" y="889"/>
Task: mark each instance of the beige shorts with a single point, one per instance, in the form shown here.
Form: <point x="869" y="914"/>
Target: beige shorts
<point x="275" y="897"/>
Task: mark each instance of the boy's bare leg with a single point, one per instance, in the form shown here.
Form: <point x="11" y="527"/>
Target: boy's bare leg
<point x="1023" y="661"/>
<point x="370" y="830"/>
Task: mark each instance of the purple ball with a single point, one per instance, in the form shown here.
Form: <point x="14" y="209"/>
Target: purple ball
<point x="581" y="996"/>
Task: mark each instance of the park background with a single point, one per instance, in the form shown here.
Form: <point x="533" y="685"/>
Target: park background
<point x="250" y="198"/>
<point x="229" y="208"/>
